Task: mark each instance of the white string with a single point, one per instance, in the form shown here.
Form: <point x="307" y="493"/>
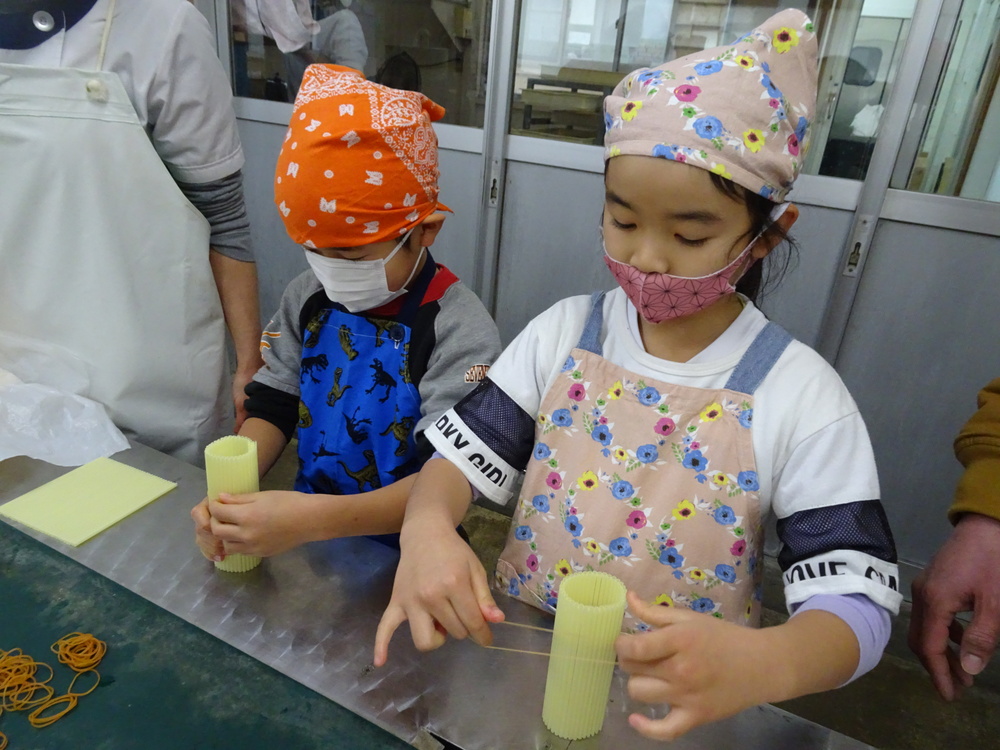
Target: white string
<point x="107" y="33"/>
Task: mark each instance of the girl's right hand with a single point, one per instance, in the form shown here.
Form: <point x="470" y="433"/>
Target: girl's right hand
<point x="441" y="589"/>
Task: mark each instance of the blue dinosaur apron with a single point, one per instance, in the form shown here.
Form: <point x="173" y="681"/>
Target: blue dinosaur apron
<point x="652" y="482"/>
<point x="358" y="406"/>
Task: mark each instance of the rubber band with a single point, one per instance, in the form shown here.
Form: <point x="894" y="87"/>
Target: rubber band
<point x="79" y="651"/>
<point x="22" y="689"/>
<point x="38" y="721"/>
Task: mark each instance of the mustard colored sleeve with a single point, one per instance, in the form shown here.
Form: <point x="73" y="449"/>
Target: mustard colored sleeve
<point x="978" y="448"/>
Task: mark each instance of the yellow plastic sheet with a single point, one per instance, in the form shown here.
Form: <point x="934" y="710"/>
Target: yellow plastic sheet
<point x="82" y="503"/>
<point x="582" y="661"/>
<point x="231" y="467"/>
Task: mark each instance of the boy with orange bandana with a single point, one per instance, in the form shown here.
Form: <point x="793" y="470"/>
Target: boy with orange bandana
<point x="373" y="343"/>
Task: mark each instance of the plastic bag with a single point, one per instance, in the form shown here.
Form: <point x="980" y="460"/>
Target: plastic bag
<point x="44" y="412"/>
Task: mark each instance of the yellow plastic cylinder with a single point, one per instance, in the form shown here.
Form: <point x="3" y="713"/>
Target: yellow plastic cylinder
<point x="231" y="467"/>
<point x="582" y="661"/>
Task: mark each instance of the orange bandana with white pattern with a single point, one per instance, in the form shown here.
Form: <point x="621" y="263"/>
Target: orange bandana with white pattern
<point x="359" y="163"/>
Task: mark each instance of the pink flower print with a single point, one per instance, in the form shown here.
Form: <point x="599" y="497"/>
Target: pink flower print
<point x="602" y="420"/>
<point x="553" y="480"/>
<point x="738" y="548"/>
<point x="793" y="145"/>
<point x="636" y="519"/>
<point x="572" y="510"/>
<point x="670" y="543"/>
<point x="680" y="157"/>
<point x="695" y="445"/>
<point x="774" y="103"/>
<point x="687" y="93"/>
<point x="665" y="426"/>
<point x="532" y="563"/>
<point x="577" y="392"/>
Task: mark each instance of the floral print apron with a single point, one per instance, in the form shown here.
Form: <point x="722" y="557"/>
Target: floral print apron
<point x="652" y="482"/>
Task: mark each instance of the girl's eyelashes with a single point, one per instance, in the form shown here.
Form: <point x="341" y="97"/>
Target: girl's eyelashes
<point x="619" y="225"/>
<point x="690" y="242"/>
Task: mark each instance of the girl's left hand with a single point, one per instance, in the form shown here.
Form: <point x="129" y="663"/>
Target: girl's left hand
<point x="703" y="667"/>
<point x="262" y="523"/>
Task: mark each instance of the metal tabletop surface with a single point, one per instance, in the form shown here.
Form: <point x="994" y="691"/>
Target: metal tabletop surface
<point x="311" y="614"/>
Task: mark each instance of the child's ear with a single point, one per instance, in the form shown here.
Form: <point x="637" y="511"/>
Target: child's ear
<point x="429" y="228"/>
<point x="770" y="239"/>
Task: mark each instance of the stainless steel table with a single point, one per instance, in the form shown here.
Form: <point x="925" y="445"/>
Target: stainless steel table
<point x="311" y="614"/>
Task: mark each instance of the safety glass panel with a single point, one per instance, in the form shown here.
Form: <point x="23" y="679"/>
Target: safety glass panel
<point x="959" y="152"/>
<point x="437" y="47"/>
<point x="571" y="53"/>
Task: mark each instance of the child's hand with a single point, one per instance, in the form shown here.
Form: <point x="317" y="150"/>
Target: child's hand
<point x="441" y="589"/>
<point x="262" y="523"/>
<point x="210" y="547"/>
<point x="702" y="667"/>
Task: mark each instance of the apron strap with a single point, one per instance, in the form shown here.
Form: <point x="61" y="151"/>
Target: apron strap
<point x="590" y="339"/>
<point x="759" y="358"/>
<point x="105" y="35"/>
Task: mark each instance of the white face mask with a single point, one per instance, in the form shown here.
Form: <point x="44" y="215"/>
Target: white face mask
<point x="359" y="284"/>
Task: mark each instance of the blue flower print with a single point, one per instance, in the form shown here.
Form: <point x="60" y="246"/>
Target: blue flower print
<point x="647" y="453"/>
<point x="523" y="533"/>
<point x="648" y="76"/>
<point x="513" y="588"/>
<point x="540" y="503"/>
<point x="800" y="129"/>
<point x="752" y="565"/>
<point x="703" y="604"/>
<point x="725" y="573"/>
<point x="551" y="602"/>
<point x="542" y="451"/>
<point x="664" y="151"/>
<point x="708" y="127"/>
<point x="765" y="66"/>
<point x="622" y="490"/>
<point x="694" y="460"/>
<point x="767" y="191"/>
<point x="725" y="515"/>
<point x="772" y="91"/>
<point x="573" y="525"/>
<point x="620" y="547"/>
<point x="746" y="418"/>
<point x="602" y="434"/>
<point x="608" y="124"/>
<point x="569" y="365"/>
<point x="748" y="481"/>
<point x="707" y="68"/>
<point x="562" y="418"/>
<point x="649" y="396"/>
<point x="670" y="556"/>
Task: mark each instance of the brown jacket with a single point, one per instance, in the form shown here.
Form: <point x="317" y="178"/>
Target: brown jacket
<point x="978" y="448"/>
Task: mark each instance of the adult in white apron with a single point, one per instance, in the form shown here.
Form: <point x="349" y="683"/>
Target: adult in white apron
<point x="102" y="254"/>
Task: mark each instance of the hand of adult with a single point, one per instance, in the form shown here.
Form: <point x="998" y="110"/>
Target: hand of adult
<point x="962" y="577"/>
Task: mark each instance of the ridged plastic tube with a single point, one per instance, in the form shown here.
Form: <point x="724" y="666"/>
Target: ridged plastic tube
<point x="231" y="467"/>
<point x="582" y="661"/>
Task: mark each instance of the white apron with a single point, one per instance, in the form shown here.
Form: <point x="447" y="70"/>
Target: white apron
<point x="101" y="253"/>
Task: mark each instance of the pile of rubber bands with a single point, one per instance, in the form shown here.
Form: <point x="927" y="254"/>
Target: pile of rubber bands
<point x="21" y="688"/>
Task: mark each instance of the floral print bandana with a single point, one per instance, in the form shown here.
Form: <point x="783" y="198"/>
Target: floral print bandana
<point x="359" y="163"/>
<point x="741" y="111"/>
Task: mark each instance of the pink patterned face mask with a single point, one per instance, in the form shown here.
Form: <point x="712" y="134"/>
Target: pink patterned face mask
<point x="661" y="296"/>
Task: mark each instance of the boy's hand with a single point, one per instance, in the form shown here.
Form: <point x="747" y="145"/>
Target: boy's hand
<point x="441" y="589"/>
<point x="210" y="547"/>
<point x="697" y="664"/>
<point x="262" y="523"/>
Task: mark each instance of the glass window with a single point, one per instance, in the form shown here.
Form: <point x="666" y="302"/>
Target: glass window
<point x="571" y="53"/>
<point x="959" y="152"/>
<point x="437" y="47"/>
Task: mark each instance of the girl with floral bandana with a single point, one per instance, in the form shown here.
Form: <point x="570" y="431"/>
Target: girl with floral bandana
<point x="658" y="425"/>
